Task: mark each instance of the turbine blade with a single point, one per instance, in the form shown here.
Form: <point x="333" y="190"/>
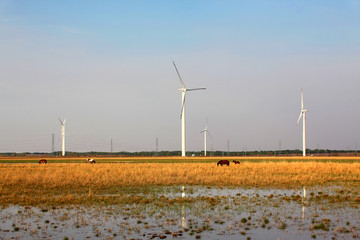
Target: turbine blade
<point x="61" y="121"/>
<point x="181" y="81"/>
<point x="301" y="113"/>
<point x="194" y="89"/>
<point x="209" y="134"/>
<point x="302" y="100"/>
<point x="182" y="107"/>
<point x="64" y="121"/>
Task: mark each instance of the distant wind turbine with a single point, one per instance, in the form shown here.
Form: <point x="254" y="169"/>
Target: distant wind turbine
<point x="205" y="131"/>
<point x="183" y="91"/>
<point x="302" y="114"/>
<point x="63" y="124"/>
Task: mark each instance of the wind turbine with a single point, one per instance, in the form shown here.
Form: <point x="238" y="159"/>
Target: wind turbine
<point x="205" y="131"/>
<point x="302" y="114"/>
<point x="183" y="91"/>
<point x="63" y="124"/>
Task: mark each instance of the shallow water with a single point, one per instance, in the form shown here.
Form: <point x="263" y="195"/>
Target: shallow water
<point x="210" y="213"/>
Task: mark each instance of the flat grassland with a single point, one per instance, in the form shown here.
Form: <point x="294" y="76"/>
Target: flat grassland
<point x="109" y="183"/>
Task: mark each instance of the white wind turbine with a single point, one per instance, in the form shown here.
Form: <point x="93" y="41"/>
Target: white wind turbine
<point x="63" y="124"/>
<point x="183" y="91"/>
<point x="302" y="114"/>
<point x="205" y="131"/>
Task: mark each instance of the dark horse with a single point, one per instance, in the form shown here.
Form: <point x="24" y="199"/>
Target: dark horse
<point x="43" y="161"/>
<point x="236" y="162"/>
<point x="223" y="162"/>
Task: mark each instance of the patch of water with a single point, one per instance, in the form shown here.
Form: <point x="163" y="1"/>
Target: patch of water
<point x="194" y="191"/>
<point x="236" y="214"/>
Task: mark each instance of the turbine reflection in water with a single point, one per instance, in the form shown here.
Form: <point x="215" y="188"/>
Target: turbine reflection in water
<point x="183" y="211"/>
<point x="303" y="205"/>
<point x="183" y="218"/>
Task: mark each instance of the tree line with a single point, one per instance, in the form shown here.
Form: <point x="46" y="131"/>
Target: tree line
<point x="296" y="152"/>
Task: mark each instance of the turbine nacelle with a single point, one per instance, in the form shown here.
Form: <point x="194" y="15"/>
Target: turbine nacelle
<point x="62" y="122"/>
<point x="205" y="129"/>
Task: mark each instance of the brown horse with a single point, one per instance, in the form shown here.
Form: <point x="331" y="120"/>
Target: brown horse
<point x="43" y="161"/>
<point x="223" y="162"/>
<point x="236" y="162"/>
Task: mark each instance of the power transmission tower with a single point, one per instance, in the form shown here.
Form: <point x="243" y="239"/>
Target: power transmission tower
<point x="279" y="151"/>
<point x="228" y="147"/>
<point x="356" y="148"/>
<point x="280" y="145"/>
<point x="53" y="143"/>
<point x="157" y="146"/>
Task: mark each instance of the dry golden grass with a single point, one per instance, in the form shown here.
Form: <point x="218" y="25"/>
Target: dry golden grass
<point x="24" y="180"/>
<point x="272" y="174"/>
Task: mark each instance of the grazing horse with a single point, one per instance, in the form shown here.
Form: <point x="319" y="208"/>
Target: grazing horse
<point x="43" y="161"/>
<point x="90" y="160"/>
<point x="236" y="162"/>
<point x="223" y="162"/>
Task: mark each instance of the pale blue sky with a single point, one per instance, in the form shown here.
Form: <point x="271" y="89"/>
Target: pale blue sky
<point x="107" y="67"/>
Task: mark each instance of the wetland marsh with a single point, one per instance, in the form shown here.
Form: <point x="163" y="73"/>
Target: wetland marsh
<point x="263" y="200"/>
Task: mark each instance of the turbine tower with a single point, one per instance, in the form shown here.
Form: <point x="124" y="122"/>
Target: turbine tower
<point x="205" y="131"/>
<point x="63" y="124"/>
<point x="302" y="114"/>
<point x="183" y="91"/>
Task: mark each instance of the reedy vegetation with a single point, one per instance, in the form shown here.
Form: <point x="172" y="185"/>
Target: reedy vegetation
<point x="72" y="182"/>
